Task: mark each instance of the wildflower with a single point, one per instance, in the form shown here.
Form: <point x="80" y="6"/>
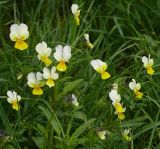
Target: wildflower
<point x="43" y="53"/>
<point x="18" y="34"/>
<point x="101" y="134"/>
<point x="62" y="55"/>
<point x="89" y="44"/>
<point x="50" y="75"/>
<point x="74" y="100"/>
<point x="35" y="82"/>
<point x="148" y="63"/>
<point x="14" y="98"/>
<point x="100" y="67"/>
<point x="136" y="87"/>
<point x="116" y="98"/>
<point x="126" y="135"/>
<point x="76" y="13"/>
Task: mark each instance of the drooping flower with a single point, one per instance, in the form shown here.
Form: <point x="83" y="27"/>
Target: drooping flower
<point x="35" y="82"/>
<point x="100" y="67"/>
<point x="62" y="55"/>
<point x="76" y="13"/>
<point x="14" y="98"/>
<point x="126" y="134"/>
<point x="88" y="43"/>
<point x="74" y="100"/>
<point x="50" y="76"/>
<point x="148" y="63"/>
<point x="135" y="87"/>
<point x="19" y="33"/>
<point x="43" y="53"/>
<point x="102" y="134"/>
<point x="116" y="98"/>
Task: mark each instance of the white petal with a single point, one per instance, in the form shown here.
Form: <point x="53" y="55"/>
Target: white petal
<point x="66" y="53"/>
<point x="10" y="100"/>
<point x="113" y="95"/>
<point x="95" y="64"/>
<point x="74" y="8"/>
<point x="42" y="49"/>
<point x="86" y="36"/>
<point x="138" y="86"/>
<point x="132" y="85"/>
<point x="10" y="94"/>
<point x="14" y="95"/>
<point x="14" y="28"/>
<point x="23" y="29"/>
<point x="46" y="73"/>
<point x="38" y="76"/>
<point x="31" y="77"/>
<point x="151" y="62"/>
<point x="55" y="76"/>
<point x="18" y="97"/>
<point x="58" y="55"/>
<point x="145" y="60"/>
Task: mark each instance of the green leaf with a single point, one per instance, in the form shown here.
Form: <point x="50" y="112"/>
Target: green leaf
<point x="71" y="85"/>
<point x="39" y="141"/>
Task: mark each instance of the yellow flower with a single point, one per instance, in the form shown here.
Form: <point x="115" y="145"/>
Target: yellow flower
<point x="62" y="55"/>
<point x="14" y="99"/>
<point x="76" y="13"/>
<point x="43" y="53"/>
<point x="136" y="87"/>
<point x="126" y="135"/>
<point x="89" y="44"/>
<point x="148" y="63"/>
<point x="50" y="76"/>
<point x="100" y="67"/>
<point x="101" y="134"/>
<point x="74" y="100"/>
<point x="35" y="82"/>
<point x="18" y="34"/>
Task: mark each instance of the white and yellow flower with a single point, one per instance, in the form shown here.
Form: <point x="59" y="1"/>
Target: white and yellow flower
<point x="88" y="43"/>
<point x="50" y="76"/>
<point x="35" y="81"/>
<point x="102" y="134"/>
<point x="148" y="63"/>
<point x="43" y="53"/>
<point x="62" y="55"/>
<point x="76" y="13"/>
<point x="126" y="134"/>
<point x="100" y="67"/>
<point x="135" y="87"/>
<point x="14" y="98"/>
<point x="74" y="100"/>
<point x="19" y="33"/>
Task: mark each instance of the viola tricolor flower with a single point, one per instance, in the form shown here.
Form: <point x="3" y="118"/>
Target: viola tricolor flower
<point x="14" y="98"/>
<point x="18" y="34"/>
<point x="135" y="87"/>
<point x="126" y="135"/>
<point x="116" y="98"/>
<point x="148" y="63"/>
<point x="102" y="134"/>
<point x="50" y="76"/>
<point x="62" y="55"/>
<point x="88" y="43"/>
<point x="35" y="81"/>
<point x="43" y="53"/>
<point x="74" y="100"/>
<point x="76" y="13"/>
<point x="100" y="67"/>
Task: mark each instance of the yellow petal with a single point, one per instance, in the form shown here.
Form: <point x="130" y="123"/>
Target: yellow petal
<point x="150" y="70"/>
<point x="138" y="94"/>
<point x="21" y="45"/>
<point x="105" y="75"/>
<point x="121" y="116"/>
<point x="90" y="45"/>
<point x="119" y="107"/>
<point x="127" y="138"/>
<point x="62" y="66"/>
<point x="37" y="91"/>
<point x="15" y="106"/>
<point x="46" y="60"/>
<point x="76" y="17"/>
<point x="50" y="82"/>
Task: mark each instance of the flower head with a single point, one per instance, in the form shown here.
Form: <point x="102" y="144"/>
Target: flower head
<point x="18" y="34"/>
<point x="89" y="44"/>
<point x="135" y="87"/>
<point x="50" y="76"/>
<point x="126" y="135"/>
<point x="35" y="82"/>
<point x="101" y="134"/>
<point x="74" y="100"/>
<point x="148" y="63"/>
<point x="62" y="55"/>
<point x="76" y="13"/>
<point x="100" y="67"/>
<point x="14" y="98"/>
<point x="114" y="96"/>
<point x="43" y="53"/>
